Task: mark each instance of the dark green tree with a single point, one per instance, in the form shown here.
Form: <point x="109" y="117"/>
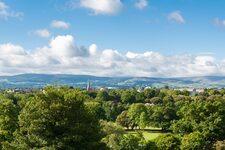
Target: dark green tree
<point x="112" y="110"/>
<point x="123" y="120"/>
<point x="132" y="142"/>
<point x="163" y="115"/>
<point x="57" y="119"/>
<point x="128" y="96"/>
<point x="8" y="120"/>
<point x="102" y="96"/>
<point x="168" y="142"/>
<point x="150" y="93"/>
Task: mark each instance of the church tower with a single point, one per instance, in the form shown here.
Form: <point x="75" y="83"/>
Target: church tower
<point x="88" y="85"/>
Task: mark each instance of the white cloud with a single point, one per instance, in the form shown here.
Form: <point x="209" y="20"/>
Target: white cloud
<point x="102" y="7"/>
<point x="60" y="24"/>
<point x="44" y="33"/>
<point x="65" y="47"/>
<point x="219" y="22"/>
<point x="10" y="49"/>
<point x="5" y="12"/>
<point x="131" y="55"/>
<point x="176" y="17"/>
<point x="93" y="49"/>
<point x="62" y="55"/>
<point x="141" y="4"/>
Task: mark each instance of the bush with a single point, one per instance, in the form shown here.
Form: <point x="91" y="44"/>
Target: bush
<point x="168" y="142"/>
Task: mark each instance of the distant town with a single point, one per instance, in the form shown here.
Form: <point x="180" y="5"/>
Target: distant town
<point x="89" y="88"/>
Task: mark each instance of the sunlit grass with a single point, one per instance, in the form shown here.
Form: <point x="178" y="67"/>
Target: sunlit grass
<point x="148" y="134"/>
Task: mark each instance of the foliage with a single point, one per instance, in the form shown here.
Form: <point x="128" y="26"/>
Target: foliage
<point x="151" y="145"/>
<point x="123" y="119"/>
<point x="57" y="119"/>
<point x="150" y="93"/>
<point x="8" y="120"/>
<point x="202" y="116"/>
<point x="131" y="142"/>
<point x="112" y="133"/>
<point x="168" y="142"/>
<point x="193" y="141"/>
<point x="137" y="114"/>
<point x="102" y="96"/>
<point x="111" y="128"/>
<point x="112" y="110"/>
<point x="155" y="100"/>
<point x="128" y="97"/>
<point x="163" y="115"/>
<point x="220" y="145"/>
<point x="96" y="109"/>
<point x="68" y="118"/>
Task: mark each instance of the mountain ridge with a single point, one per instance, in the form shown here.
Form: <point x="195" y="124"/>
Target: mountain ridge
<point x="31" y="80"/>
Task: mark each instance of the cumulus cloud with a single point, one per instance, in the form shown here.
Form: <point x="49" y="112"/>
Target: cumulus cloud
<point x="44" y="33"/>
<point x="60" y="24"/>
<point x="62" y="55"/>
<point x="10" y="49"/>
<point x="64" y="46"/>
<point x="93" y="49"/>
<point x="176" y="16"/>
<point x="141" y="4"/>
<point x="102" y="7"/>
<point x="6" y="12"/>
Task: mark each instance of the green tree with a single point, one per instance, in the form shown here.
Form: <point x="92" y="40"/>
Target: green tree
<point x="144" y="120"/>
<point x="102" y="96"/>
<point x="137" y="114"/>
<point x="140" y="97"/>
<point x="109" y="128"/>
<point x="163" y="115"/>
<point x="193" y="141"/>
<point x="168" y="142"/>
<point x="114" y="94"/>
<point x="112" y="134"/>
<point x="112" y="110"/>
<point x="150" y="93"/>
<point x="8" y="120"/>
<point x="123" y="119"/>
<point x="128" y="96"/>
<point x="155" y="100"/>
<point x="96" y="109"/>
<point x="182" y="126"/>
<point x="150" y="145"/>
<point x="131" y="142"/>
<point x="201" y="116"/>
<point x="57" y="119"/>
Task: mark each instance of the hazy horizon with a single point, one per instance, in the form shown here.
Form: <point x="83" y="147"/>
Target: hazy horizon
<point x="22" y="74"/>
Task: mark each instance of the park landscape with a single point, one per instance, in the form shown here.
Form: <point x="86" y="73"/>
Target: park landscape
<point x="112" y="75"/>
<point x="118" y="119"/>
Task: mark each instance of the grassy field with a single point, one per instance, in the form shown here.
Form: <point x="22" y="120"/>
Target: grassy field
<point x="148" y="135"/>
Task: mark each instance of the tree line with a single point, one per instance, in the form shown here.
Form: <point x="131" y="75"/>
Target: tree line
<point x="61" y="118"/>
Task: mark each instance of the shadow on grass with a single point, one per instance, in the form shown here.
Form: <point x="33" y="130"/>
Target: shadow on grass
<point x="153" y="130"/>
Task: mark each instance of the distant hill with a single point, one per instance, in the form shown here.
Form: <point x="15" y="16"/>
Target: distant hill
<point x="40" y="80"/>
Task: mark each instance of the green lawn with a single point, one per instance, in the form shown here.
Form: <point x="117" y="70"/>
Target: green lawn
<point x="148" y="135"/>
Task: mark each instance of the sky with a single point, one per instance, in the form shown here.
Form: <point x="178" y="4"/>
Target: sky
<point x="150" y="38"/>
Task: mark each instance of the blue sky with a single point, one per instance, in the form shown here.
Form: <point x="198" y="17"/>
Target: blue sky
<point x="169" y="28"/>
